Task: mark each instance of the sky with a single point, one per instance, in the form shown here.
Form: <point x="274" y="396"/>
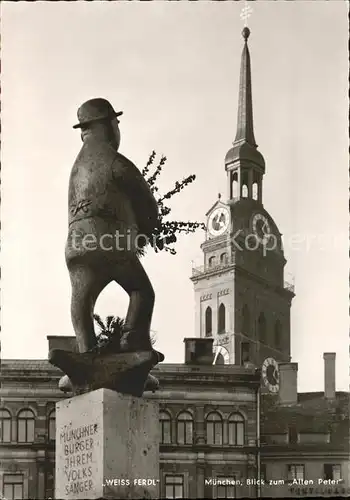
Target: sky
<point x="173" y="69"/>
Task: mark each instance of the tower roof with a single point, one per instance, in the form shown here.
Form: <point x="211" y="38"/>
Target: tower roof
<point x="244" y="145"/>
<point x="245" y="130"/>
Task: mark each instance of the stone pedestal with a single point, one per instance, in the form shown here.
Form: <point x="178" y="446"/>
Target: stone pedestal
<point x="107" y="447"/>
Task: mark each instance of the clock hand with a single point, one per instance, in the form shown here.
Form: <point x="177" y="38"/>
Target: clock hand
<point x="275" y="375"/>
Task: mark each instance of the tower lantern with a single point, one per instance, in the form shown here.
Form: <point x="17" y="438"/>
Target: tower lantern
<point x="244" y="164"/>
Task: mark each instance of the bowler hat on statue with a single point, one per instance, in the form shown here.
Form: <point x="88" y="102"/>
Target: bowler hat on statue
<point x="95" y="110"/>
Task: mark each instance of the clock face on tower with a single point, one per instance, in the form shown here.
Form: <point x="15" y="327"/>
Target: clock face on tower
<point x="270" y="375"/>
<point x="218" y="221"/>
<point x="261" y="227"/>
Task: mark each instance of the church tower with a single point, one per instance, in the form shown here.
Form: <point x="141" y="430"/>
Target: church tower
<point x="241" y="298"/>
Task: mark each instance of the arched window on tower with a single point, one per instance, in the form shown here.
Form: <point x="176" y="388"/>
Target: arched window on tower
<point x="208" y="322"/>
<point x="211" y="261"/>
<point x="245" y="183"/>
<point x="235" y="185"/>
<point x="223" y="259"/>
<point x="278" y="334"/>
<point x="245" y="320"/>
<point x="255" y="186"/>
<point x="221" y="319"/>
<point x="262" y="328"/>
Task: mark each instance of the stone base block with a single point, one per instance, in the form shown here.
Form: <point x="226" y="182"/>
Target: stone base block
<point x="107" y="447"/>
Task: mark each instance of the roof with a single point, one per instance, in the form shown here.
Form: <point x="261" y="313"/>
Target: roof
<point x="245" y="152"/>
<point x="168" y="373"/>
<point x="313" y="413"/>
<point x="244" y="145"/>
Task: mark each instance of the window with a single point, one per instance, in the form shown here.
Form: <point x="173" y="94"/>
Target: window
<point x="225" y="487"/>
<point x="5" y="426"/>
<point x="255" y="191"/>
<point x="292" y="434"/>
<point x="296" y="471"/>
<point x="50" y="481"/>
<point x="165" y="427"/>
<point x="245" y="352"/>
<point x="208" y="322"/>
<point x="244" y="183"/>
<point x="174" y="486"/>
<point x="235" y="185"/>
<point x="262" y="328"/>
<point x="13" y="486"/>
<point x="236" y="429"/>
<point x="332" y="471"/>
<point x="313" y="437"/>
<point x="245" y="320"/>
<point x="223" y="258"/>
<point x="185" y="428"/>
<point x="52" y="426"/>
<point x="214" y="428"/>
<point x="263" y="472"/>
<point x="281" y="438"/>
<point x="25" y="426"/>
<point x="278" y="332"/>
<point x="221" y="319"/>
<point x="211" y="261"/>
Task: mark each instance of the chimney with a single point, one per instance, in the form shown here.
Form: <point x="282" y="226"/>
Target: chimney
<point x="64" y="342"/>
<point x="329" y="375"/>
<point x="199" y="351"/>
<point x="288" y="382"/>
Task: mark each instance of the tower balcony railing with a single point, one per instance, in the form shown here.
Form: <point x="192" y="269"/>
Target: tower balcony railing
<point x="198" y="270"/>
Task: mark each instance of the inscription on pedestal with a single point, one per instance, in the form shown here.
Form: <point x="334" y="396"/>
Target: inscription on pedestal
<point x="107" y="446"/>
<point x="78" y="448"/>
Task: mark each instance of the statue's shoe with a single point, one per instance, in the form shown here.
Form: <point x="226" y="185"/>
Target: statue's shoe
<point x="123" y="372"/>
<point x="64" y="384"/>
<point x="151" y="384"/>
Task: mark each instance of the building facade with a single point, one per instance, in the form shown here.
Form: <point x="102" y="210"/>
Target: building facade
<point x="208" y="429"/>
<point x="305" y="438"/>
<point x="215" y="429"/>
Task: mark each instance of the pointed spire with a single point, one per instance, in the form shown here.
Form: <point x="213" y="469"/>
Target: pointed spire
<point x="245" y="133"/>
<point x="244" y="147"/>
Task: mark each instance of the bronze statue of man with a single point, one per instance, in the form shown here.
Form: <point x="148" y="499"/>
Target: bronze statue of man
<point x="110" y="207"/>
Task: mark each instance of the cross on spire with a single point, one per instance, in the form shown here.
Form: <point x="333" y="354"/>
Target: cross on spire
<point x="245" y="13"/>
